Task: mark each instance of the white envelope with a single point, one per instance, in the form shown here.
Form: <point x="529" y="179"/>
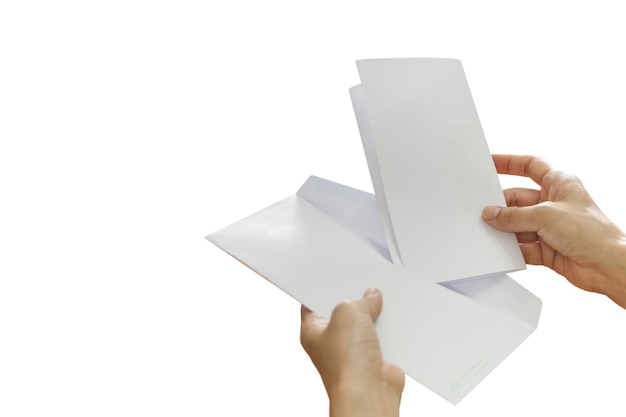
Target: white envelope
<point x="451" y="314"/>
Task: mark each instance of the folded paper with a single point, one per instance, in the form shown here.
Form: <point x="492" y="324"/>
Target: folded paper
<point x="451" y="314"/>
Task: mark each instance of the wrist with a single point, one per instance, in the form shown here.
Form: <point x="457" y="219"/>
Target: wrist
<point x="613" y="272"/>
<point x="363" y="399"/>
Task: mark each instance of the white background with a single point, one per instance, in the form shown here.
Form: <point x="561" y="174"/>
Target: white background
<point x="131" y="129"/>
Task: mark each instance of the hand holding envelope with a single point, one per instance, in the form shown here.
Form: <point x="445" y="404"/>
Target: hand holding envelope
<point x="451" y="313"/>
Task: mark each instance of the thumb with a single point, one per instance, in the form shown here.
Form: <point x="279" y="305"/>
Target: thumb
<point x="511" y="219"/>
<point x="372" y="302"/>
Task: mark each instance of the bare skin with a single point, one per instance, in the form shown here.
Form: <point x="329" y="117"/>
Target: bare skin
<point x="561" y="227"/>
<point x="346" y="352"/>
<point x="558" y="226"/>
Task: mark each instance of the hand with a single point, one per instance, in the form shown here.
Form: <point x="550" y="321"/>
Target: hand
<point x="346" y="353"/>
<point x="561" y="227"/>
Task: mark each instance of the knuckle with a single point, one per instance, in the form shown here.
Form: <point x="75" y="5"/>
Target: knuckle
<point x="344" y="309"/>
<point x="534" y="160"/>
<point x="510" y="196"/>
<point x="307" y="342"/>
<point x="536" y="163"/>
<point x="561" y="178"/>
<point x="545" y="210"/>
<point x="568" y="178"/>
<point x="572" y="182"/>
<point x="509" y="215"/>
<point x="304" y="341"/>
<point x="551" y="177"/>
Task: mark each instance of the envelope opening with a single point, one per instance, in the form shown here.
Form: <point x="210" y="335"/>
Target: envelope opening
<point x="355" y="210"/>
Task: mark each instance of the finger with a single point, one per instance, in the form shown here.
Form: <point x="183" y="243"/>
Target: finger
<point x="527" y="237"/>
<point x="373" y="302"/>
<point x="304" y="311"/>
<point x="309" y="318"/>
<point x="311" y="327"/>
<point x="532" y="253"/>
<point x="394" y="375"/>
<point x="348" y="311"/>
<point x="512" y="219"/>
<point x="521" y="197"/>
<point x="522" y="165"/>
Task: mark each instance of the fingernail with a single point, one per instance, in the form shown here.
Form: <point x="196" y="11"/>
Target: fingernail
<point x="490" y="212"/>
<point x="371" y="292"/>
